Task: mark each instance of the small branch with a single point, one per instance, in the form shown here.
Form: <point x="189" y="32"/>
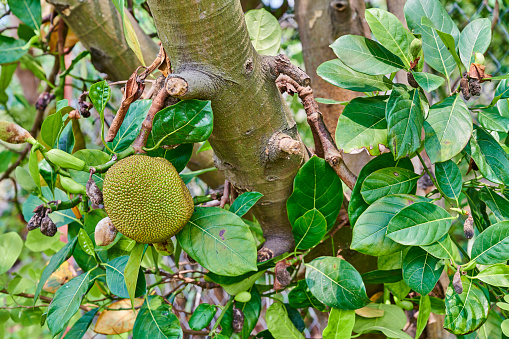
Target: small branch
<point x="42" y="297"/>
<point x="192" y="332"/>
<point x="281" y="64"/>
<point x="226" y="194"/>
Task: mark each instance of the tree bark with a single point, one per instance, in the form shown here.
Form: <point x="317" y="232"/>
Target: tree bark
<point x="209" y="47"/>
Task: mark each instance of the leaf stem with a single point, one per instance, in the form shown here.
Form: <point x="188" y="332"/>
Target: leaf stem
<point x="223" y="312"/>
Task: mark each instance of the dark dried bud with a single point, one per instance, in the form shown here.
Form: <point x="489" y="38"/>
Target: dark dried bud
<point x="84" y="108"/>
<point x="265" y="254"/>
<point x="48" y="227"/>
<point x="190" y="259"/>
<point x="468" y="227"/>
<point x="93" y="192"/>
<point x="34" y="222"/>
<point x="44" y="100"/>
<point x="464" y="86"/>
<point x="475" y="87"/>
<point x="411" y="80"/>
<point x="456" y="282"/>
<point x="283" y="277"/>
<point x="238" y="320"/>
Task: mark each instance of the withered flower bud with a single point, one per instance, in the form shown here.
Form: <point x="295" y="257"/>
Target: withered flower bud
<point x="48" y="227"/>
<point x="474" y="87"/>
<point x="238" y="320"/>
<point x="93" y="192"/>
<point x="456" y="282"/>
<point x="44" y="100"/>
<point x="468" y="227"/>
<point x="283" y="277"/>
<point x="105" y="232"/>
<point x="464" y="86"/>
<point x="34" y="222"/>
<point x="411" y="80"/>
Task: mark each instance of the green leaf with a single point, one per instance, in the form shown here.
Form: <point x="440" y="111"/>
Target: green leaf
<point x="38" y="242"/>
<point x="382" y="276"/>
<point x="54" y="263"/>
<point x="50" y="129"/>
<point x="405" y="118"/>
<point x="490" y="157"/>
<point x="475" y="38"/>
<point x="338" y="74"/>
<point x="278" y="323"/>
<point x="369" y="234"/>
<point x="327" y="101"/>
<point x="244" y="202"/>
<point x="301" y="297"/>
<point x="11" y="49"/>
<point x="424" y="313"/>
<point x="66" y="302"/>
<point x="316" y="186"/>
<point x="60" y="218"/>
<point x="499" y="205"/>
<point x="491" y="119"/>
<point x="340" y="324"/>
<point x="188" y="176"/>
<point x="178" y="156"/>
<point x="394" y="317"/>
<point x="467" y="311"/>
<point x="449" y="179"/>
<point x="155" y="320"/>
<point x="5" y="79"/>
<point x="33" y="167"/>
<point x="100" y="93"/>
<point x="386" y="181"/>
<point x="11" y="246"/>
<point x="85" y="242"/>
<point x="309" y="229"/>
<point x="357" y="204"/>
<point x="251" y="311"/>
<point x="443" y="248"/>
<point x="115" y="270"/>
<point x="362" y="125"/>
<point x="185" y="122"/>
<point x="502" y="90"/>
<point x="28" y="11"/>
<point x="202" y="316"/>
<point x="336" y="283"/>
<point x="205" y="146"/>
<point x="92" y="157"/>
<point x="436" y="54"/>
<point x="129" y="33"/>
<point x="66" y="140"/>
<point x="25" y="180"/>
<point x="428" y="82"/>
<point x="81" y="326"/>
<point x="390" y="32"/>
<point x="495" y="275"/>
<point x="131" y="125"/>
<point x="492" y="245"/>
<point x="477" y="208"/>
<point x="448" y="128"/>
<point x="421" y="270"/>
<point x="132" y="271"/>
<point x="365" y="55"/>
<point x="264" y="31"/>
<point x="220" y="241"/>
<point x="419" y="224"/>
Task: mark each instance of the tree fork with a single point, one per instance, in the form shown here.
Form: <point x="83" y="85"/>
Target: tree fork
<point x="209" y="39"/>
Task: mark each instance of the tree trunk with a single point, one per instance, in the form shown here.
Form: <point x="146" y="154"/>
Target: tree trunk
<point x="209" y="47"/>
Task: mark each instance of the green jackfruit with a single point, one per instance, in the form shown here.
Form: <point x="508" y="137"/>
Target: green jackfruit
<point x="146" y="200"/>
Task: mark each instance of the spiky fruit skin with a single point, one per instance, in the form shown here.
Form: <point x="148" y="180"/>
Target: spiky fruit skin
<point x="146" y="199"/>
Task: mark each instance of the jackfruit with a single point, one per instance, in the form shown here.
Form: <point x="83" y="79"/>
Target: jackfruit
<point x="146" y="199"/>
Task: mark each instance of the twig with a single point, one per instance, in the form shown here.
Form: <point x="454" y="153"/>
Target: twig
<point x="42" y="297"/>
<point x="6" y="28"/>
<point x="202" y="333"/>
<point x="226" y="194"/>
<point x="5" y="14"/>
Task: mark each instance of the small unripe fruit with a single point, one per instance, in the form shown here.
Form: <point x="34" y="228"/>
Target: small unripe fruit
<point x="243" y="297"/>
<point x="406" y="305"/>
<point x="14" y="134"/>
<point x="165" y="248"/>
<point x="71" y="186"/>
<point x="479" y="58"/>
<point x="65" y="160"/>
<point x="415" y="47"/>
<point x="105" y="232"/>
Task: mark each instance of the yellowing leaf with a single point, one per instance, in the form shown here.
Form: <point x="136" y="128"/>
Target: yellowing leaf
<point x="369" y="312"/>
<point x="58" y="278"/>
<point x="118" y="318"/>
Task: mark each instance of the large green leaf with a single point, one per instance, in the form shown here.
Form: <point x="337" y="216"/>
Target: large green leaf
<point x="301" y="297"/>
<point x="336" y="283"/>
<point x="394" y="317"/>
<point x="490" y="157"/>
<point x="155" y="320"/>
<point x="338" y="74"/>
<point x="244" y="202"/>
<point x="340" y="324"/>
<point x="51" y="127"/>
<point x="421" y="270"/>
<point x="178" y="156"/>
<point x="492" y="245"/>
<point x="251" y="311"/>
<point x="132" y="272"/>
<point x="405" y="118"/>
<point x="449" y="179"/>
<point x="11" y="246"/>
<point x="386" y="181"/>
<point x="382" y="276"/>
<point x="11" y="49"/>
<point x="491" y="119"/>
<point x="28" y="11"/>
<point x="390" y="32"/>
<point x="428" y="82"/>
<point x="444" y="248"/>
<point x="279" y="324"/>
<point x="129" y="32"/>
<point x="448" y="128"/>
<point x="362" y="125"/>
<point x="499" y="205"/>
<point x="495" y="275"/>
<point x="116" y="280"/>
<point x="475" y="38"/>
<point x="55" y="262"/>
<point x="357" y="204"/>
<point x="264" y="31"/>
<point x="187" y="121"/>
<point x="66" y="302"/>
<point x="369" y="234"/>
<point x="316" y="186"/>
<point x="436" y="53"/>
<point x="309" y="229"/>
<point x="419" y="224"/>
<point x="202" y="316"/>
<point x="81" y="326"/>
<point x="131" y="125"/>
<point x="424" y="313"/>
<point x="467" y="311"/>
<point x="365" y="55"/>
<point x="220" y="241"/>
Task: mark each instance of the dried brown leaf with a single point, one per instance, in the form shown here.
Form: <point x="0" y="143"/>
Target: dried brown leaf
<point x="114" y="322"/>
